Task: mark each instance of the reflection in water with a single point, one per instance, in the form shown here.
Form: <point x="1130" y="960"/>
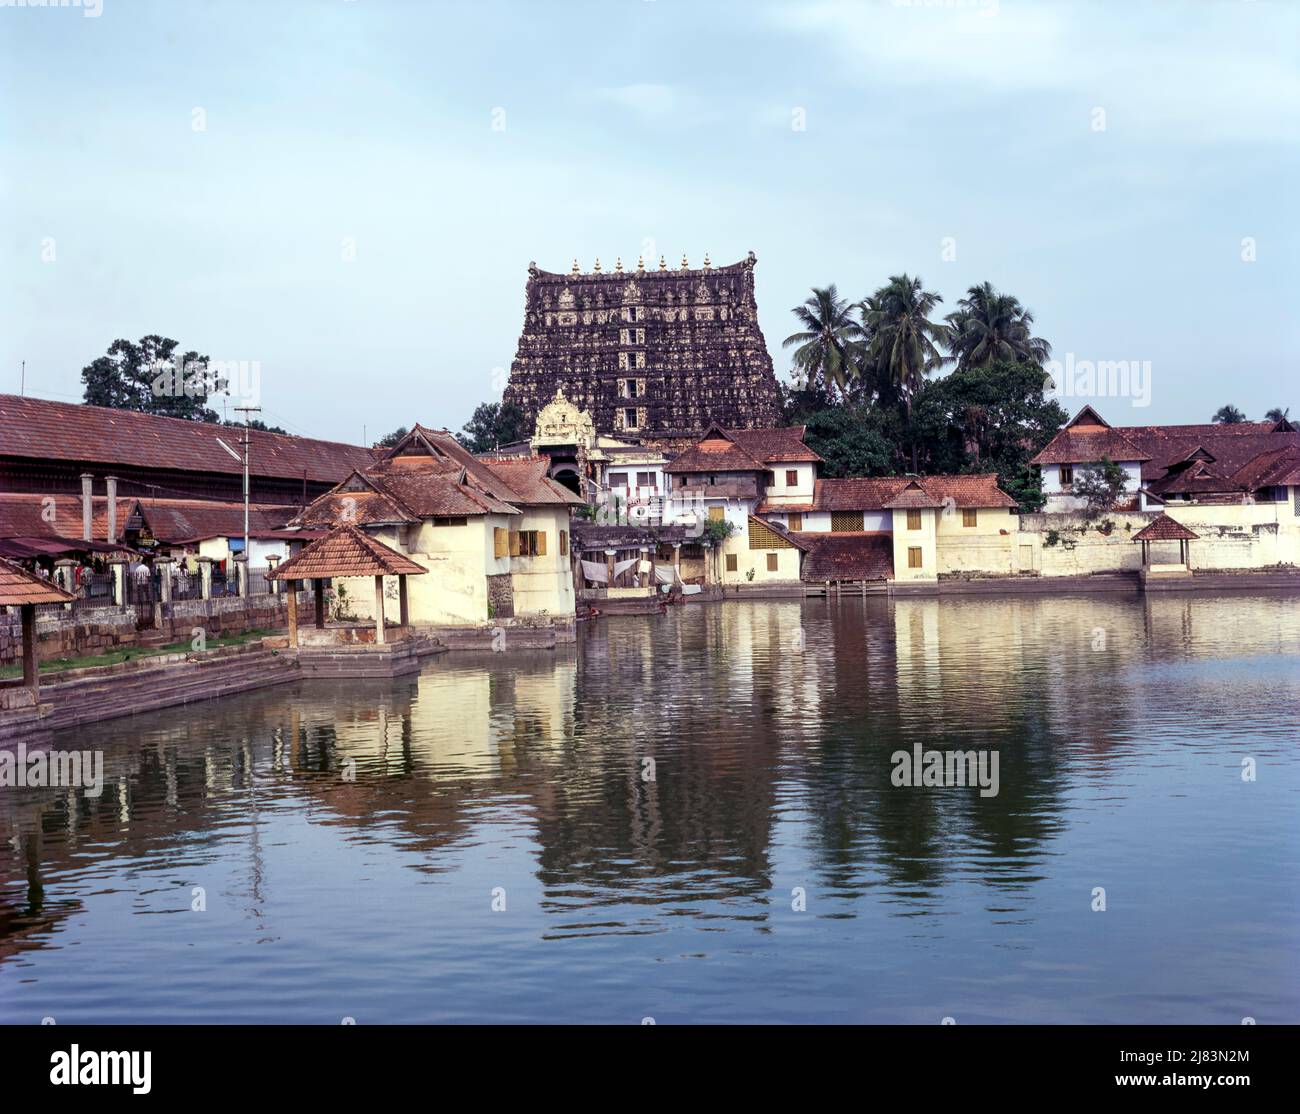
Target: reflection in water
<point x="654" y="807"/>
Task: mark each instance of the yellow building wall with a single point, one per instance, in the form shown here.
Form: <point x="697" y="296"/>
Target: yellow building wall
<point x="925" y="538"/>
<point x="988" y="547"/>
<point x="544" y="584"/>
<point x="787" y="562"/>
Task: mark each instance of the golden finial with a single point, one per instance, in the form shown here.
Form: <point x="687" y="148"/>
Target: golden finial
<point x="618" y="265"/>
<point x="707" y="264"/>
<point x="685" y="266"/>
<point x="662" y="265"/>
<point x="575" y="268"/>
<point x="596" y="269"/>
<point x="640" y="262"/>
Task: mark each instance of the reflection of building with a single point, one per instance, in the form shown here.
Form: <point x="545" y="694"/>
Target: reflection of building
<point x="646" y="352"/>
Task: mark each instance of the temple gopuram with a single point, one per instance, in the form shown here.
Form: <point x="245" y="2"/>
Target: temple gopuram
<point x="652" y="356"/>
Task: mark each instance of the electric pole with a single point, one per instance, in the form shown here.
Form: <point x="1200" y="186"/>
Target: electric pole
<point x="245" y="444"/>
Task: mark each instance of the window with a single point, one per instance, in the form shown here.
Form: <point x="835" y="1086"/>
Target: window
<point x="452" y="520"/>
<point x="632" y="313"/>
<point x="631" y="388"/>
<point x="731" y="562"/>
<point x="532" y="543"/>
<point x="629" y="418"/>
<point x="564" y="543"/>
<point x="969" y="516"/>
<point x="794" y="522"/>
<point x="842" y="521"/>
<point x="514" y="543"/>
<point x="500" y="542"/>
<point x="1067" y="475"/>
<point x="791" y="477"/>
<point x="913" y="518"/>
<point x="913" y="556"/>
<point x="717" y="514"/>
<point x="645" y="479"/>
<point x="618" y="479"/>
<point x="772" y="562"/>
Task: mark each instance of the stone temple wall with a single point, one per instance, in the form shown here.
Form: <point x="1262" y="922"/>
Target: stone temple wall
<point x="647" y="351"/>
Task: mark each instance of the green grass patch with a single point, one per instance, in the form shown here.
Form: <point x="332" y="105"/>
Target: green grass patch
<point x="131" y="653"/>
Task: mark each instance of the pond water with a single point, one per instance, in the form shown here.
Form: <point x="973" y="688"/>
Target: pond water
<point x="693" y="817"/>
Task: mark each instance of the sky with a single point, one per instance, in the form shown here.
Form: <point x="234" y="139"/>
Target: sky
<point x="345" y="195"/>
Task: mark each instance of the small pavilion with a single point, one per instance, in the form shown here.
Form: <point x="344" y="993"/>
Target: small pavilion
<point x="24" y="590"/>
<point x="346" y="552"/>
<point x="1162" y="528"/>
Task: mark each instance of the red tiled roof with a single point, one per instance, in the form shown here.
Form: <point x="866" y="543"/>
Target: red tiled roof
<point x="173" y="521"/>
<point x="38" y="428"/>
<point x="911" y="496"/>
<point x="18" y="586"/>
<point x="744" y="450"/>
<point x="1088" y="447"/>
<point x="865" y="493"/>
<point x="526" y="476"/>
<point x="24" y="515"/>
<point x="846" y="556"/>
<point x="345" y="551"/>
<point x="1164" y="529"/>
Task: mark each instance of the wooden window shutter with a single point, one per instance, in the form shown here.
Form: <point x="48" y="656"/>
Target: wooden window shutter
<point x="969" y="517"/>
<point x="731" y="562"/>
<point x="539" y="550"/>
<point x="500" y="542"/>
<point x="914" y="557"/>
<point x="794" y="522"/>
<point x="913" y="519"/>
<point x="716" y="514"/>
<point x="791" y="477"/>
<point x="564" y="543"/>
<point x="772" y="562"/>
<point x="514" y="543"/>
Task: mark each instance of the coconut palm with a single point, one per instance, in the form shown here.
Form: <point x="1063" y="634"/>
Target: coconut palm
<point x="830" y="343"/>
<point x="988" y="326"/>
<point x="1277" y="414"/>
<point x="903" y="345"/>
<point x="1228" y="415"/>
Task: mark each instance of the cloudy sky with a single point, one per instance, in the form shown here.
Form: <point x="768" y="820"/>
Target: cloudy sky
<point x="349" y="192"/>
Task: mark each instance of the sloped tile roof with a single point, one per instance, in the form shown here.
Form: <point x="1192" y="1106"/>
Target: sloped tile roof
<point x="173" y="521"/>
<point x="345" y="551"/>
<point x="1164" y="529"/>
<point x="526" y="477"/>
<point x="24" y="515"/>
<point x="846" y="556"/>
<point x="868" y="493"/>
<point x="31" y="427"/>
<point x="912" y="496"/>
<point x="744" y="450"/>
<point x="778" y="445"/>
<point x="18" y="586"/>
<point x="1072" y="446"/>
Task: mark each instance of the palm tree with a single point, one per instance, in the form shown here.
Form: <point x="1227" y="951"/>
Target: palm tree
<point x="1228" y="415"/>
<point x="903" y="345"/>
<point x="988" y="326"/>
<point x="830" y="344"/>
<point x="1277" y="414"/>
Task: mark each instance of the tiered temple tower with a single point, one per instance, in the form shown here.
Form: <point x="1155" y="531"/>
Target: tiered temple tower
<point x="648" y="353"/>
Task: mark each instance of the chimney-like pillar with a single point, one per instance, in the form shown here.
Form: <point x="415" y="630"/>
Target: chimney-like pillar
<point x="111" y="481"/>
<point x="87" y="529"/>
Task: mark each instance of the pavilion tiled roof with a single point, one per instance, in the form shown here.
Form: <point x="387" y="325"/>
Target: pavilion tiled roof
<point x="778" y="445"/>
<point x="31" y="427"/>
<point x="912" y="496"/>
<point x="18" y="586"/>
<point x="1164" y="529"/>
<point x="744" y="450"/>
<point x="846" y="556"/>
<point x="345" y="551"/>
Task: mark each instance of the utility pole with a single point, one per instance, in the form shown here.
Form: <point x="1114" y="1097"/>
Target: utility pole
<point x="245" y="443"/>
<point x="22" y="388"/>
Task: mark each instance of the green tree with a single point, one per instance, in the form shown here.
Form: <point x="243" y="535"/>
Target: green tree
<point x="257" y="423"/>
<point x="991" y="418"/>
<point x="147" y="376"/>
<point x="1100" y="485"/>
<point x="904" y="343"/>
<point x="988" y="326"/>
<point x="1228" y="415"/>
<point x="829" y="346"/>
<point x="391" y="439"/>
<point x="1277" y="414"/>
<point x="494" y="424"/>
<point x="860" y="440"/>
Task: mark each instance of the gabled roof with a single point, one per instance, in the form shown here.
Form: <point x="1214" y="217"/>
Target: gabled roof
<point x="911" y="496"/>
<point x="18" y="586"/>
<point x="345" y="551"/>
<point x="1162" y="528"/>
<point x="744" y="450"/>
<point x="33" y="515"/>
<point x="173" y="521"/>
<point x="34" y="427"/>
